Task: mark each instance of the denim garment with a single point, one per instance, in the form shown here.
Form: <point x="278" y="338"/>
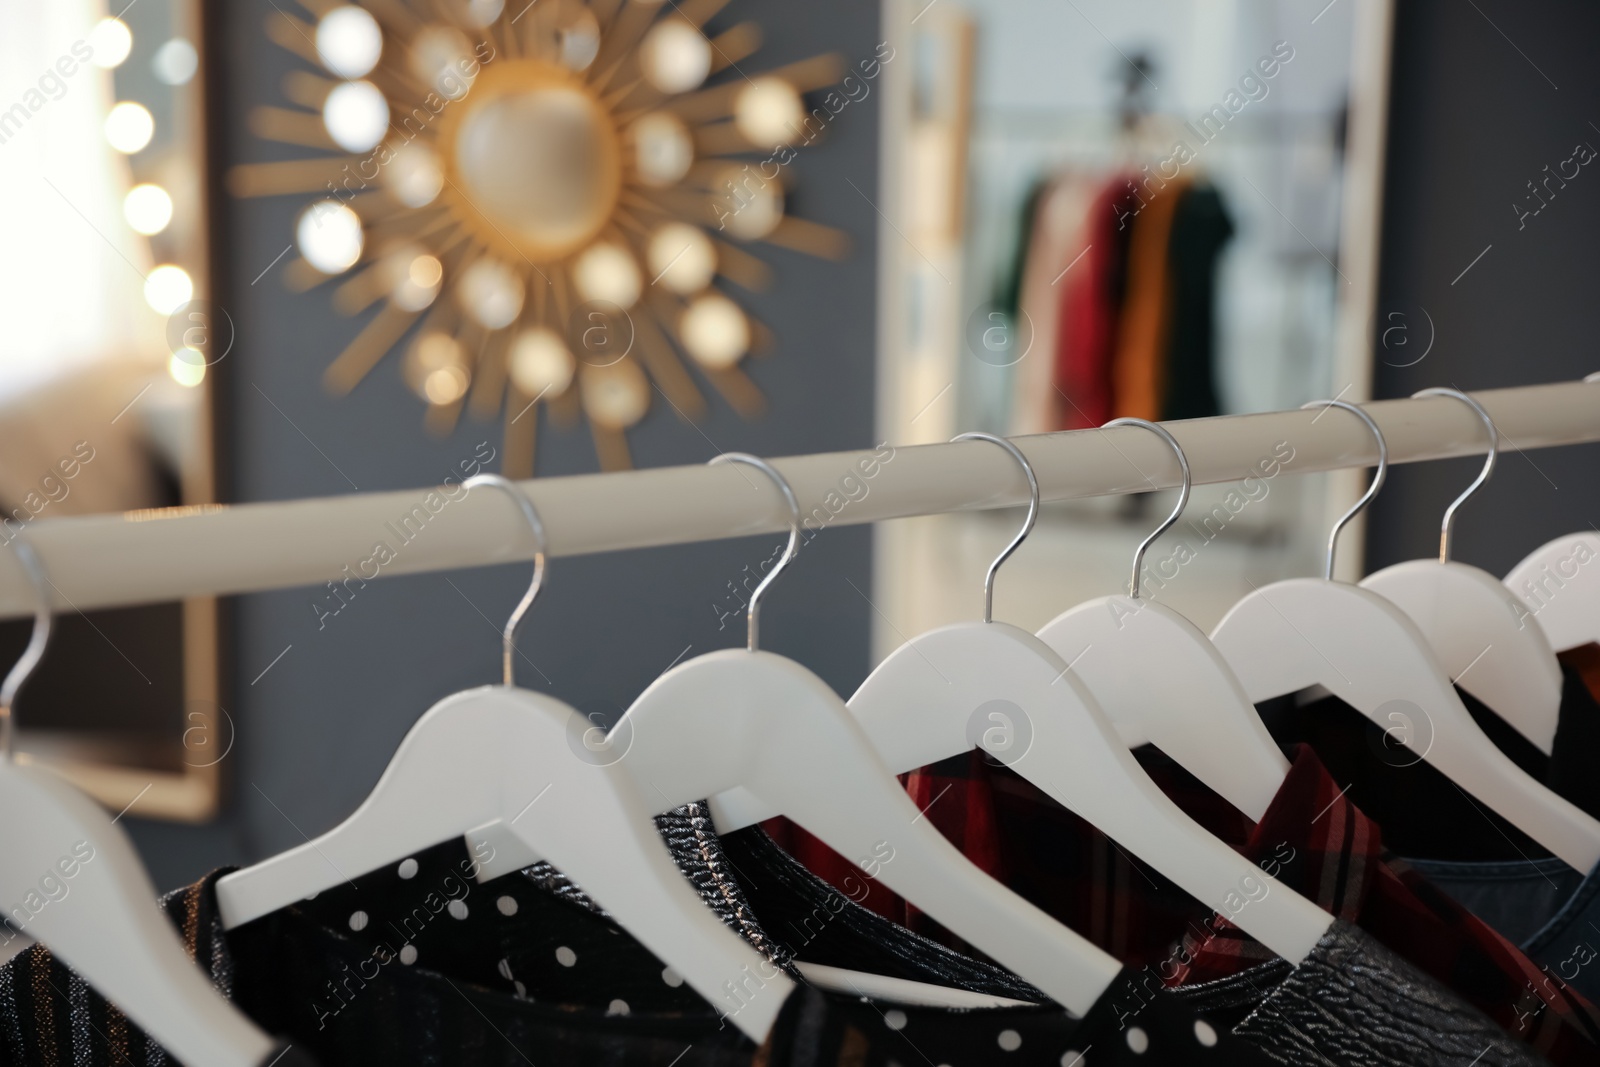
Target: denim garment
<point x="1550" y="911"/>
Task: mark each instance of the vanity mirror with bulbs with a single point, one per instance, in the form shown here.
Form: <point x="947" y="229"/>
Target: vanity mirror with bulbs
<point x="105" y="401"/>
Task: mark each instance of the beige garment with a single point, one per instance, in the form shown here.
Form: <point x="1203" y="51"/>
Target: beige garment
<point x="1056" y="241"/>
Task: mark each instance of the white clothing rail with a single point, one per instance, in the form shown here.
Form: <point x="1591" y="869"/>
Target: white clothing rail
<point x="110" y="560"/>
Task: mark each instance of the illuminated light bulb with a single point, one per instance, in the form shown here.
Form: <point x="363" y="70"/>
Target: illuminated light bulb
<point x="482" y="13"/>
<point x="746" y="204"/>
<point x="714" y="331"/>
<point x="187" y="367"/>
<point x="492" y="294"/>
<point x="615" y="396"/>
<point x="663" y="149"/>
<point x="768" y="112"/>
<point x="413" y="277"/>
<point x="349" y="42"/>
<point x="541" y="363"/>
<point x="111" y="41"/>
<point x="129" y="127"/>
<point x="445" y="385"/>
<point x="435" y="368"/>
<point x="175" y="62"/>
<point x="356" y="116"/>
<point x="414" y="175"/>
<point x="168" y="288"/>
<point x="147" y="208"/>
<point x="440" y="58"/>
<point x="580" y="41"/>
<point x="330" y="238"/>
<point x="676" y="56"/>
<point x="682" y="258"/>
<point x="606" y="272"/>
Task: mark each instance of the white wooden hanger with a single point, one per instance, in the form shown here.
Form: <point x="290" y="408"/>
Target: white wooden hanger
<point x="751" y="720"/>
<point x="1475" y="625"/>
<point x="763" y="725"/>
<point x="1302" y="632"/>
<point x="502" y="760"/>
<point x="1163" y="683"/>
<point x="994" y="686"/>
<point x="1560" y="586"/>
<point x="71" y="881"/>
<point x="745" y="714"/>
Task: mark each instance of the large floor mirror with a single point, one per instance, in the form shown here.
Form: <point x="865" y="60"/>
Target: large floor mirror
<point x="104" y="385"/>
<point x="1091" y="209"/>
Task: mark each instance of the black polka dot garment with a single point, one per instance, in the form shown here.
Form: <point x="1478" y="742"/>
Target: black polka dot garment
<point x="417" y="963"/>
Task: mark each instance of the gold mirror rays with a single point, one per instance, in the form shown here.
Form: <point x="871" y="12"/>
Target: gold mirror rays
<point x="543" y="200"/>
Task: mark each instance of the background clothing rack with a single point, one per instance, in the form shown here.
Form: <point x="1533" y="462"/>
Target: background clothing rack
<point x="152" y="556"/>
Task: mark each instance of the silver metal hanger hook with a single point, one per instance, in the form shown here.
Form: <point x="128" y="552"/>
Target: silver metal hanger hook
<point x="23" y="669"/>
<point x="1447" y="528"/>
<point x="508" y="636"/>
<point x="1027" y="524"/>
<point x="1377" y="479"/>
<point x="753" y="621"/>
<point x="1183" y="496"/>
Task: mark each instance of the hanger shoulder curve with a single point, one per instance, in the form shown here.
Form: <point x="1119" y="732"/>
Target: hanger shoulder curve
<point x="1164" y="683"/>
<point x="761" y="722"/>
<point x="1560" y="589"/>
<point x="1030" y="711"/>
<point x="113" y="933"/>
<point x="1479" y="630"/>
<point x="1300" y="632"/>
<point x="1374" y="657"/>
<point x="500" y="761"/>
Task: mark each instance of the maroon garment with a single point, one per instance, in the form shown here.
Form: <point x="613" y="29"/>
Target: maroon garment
<point x="1091" y="304"/>
<point x="1313" y="839"/>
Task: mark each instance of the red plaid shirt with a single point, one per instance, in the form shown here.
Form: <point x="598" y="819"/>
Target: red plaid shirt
<point x="1312" y="839"/>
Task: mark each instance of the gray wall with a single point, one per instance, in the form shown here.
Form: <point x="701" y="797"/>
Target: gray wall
<point x="1478" y="111"/>
<point x="318" y="728"/>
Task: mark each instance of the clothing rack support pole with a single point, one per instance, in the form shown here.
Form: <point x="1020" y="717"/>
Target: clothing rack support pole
<point x="144" y="557"/>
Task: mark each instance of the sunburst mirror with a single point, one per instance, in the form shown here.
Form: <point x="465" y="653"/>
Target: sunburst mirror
<point x="546" y="198"/>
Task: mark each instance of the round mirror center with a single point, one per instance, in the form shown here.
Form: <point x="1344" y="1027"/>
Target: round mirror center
<point x="538" y="158"/>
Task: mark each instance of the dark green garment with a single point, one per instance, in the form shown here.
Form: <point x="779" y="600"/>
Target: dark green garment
<point x="1201" y="227"/>
<point x="1008" y="289"/>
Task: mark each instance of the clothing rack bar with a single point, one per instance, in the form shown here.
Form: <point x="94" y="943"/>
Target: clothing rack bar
<point x="144" y="557"/>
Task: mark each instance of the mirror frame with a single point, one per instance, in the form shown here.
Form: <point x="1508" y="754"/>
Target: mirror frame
<point x="894" y="588"/>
